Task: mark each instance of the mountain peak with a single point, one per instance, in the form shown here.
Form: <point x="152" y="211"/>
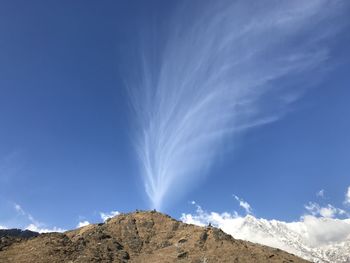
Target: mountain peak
<point x="141" y="236"/>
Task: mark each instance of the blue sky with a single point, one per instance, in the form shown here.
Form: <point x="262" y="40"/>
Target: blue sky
<point x="67" y="128"/>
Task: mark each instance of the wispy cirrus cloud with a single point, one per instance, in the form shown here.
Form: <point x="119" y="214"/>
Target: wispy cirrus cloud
<point x="225" y="67"/>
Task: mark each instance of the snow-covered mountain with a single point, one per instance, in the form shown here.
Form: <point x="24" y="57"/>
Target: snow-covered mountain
<point x="295" y="238"/>
<point x="321" y="240"/>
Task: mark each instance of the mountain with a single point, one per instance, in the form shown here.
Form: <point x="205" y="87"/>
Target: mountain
<point x="17" y="233"/>
<point x="11" y="236"/>
<point x="294" y="237"/>
<point x="140" y="237"/>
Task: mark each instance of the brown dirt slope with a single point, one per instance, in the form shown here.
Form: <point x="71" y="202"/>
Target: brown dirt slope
<point x="139" y="237"/>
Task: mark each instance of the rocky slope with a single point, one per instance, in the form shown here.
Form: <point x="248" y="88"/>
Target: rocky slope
<point x="11" y="236"/>
<point x="140" y="237"/>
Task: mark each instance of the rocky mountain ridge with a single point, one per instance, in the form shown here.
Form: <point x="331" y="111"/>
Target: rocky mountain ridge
<point x="17" y="233"/>
<point x="140" y="237"/>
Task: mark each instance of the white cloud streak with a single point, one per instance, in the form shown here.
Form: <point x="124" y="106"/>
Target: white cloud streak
<point x="247" y="208"/>
<point x="327" y="211"/>
<point x="320" y="193"/>
<point x="40" y="229"/>
<point x="19" y="209"/>
<point x="83" y="223"/>
<point x="347" y="197"/>
<point x="34" y="224"/>
<point x="217" y="75"/>
<point x="106" y="216"/>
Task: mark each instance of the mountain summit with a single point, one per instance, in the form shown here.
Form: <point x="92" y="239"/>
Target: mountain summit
<point x="139" y="237"/>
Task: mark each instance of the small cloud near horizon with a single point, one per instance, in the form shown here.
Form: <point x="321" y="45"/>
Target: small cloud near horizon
<point x="34" y="225"/>
<point x="107" y="215"/>
<point x="245" y="205"/>
<point x="83" y="223"/>
<point x="347" y="197"/>
<point x="320" y="193"/>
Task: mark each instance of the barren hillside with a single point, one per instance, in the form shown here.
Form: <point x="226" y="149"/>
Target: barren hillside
<point x="139" y="237"/>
